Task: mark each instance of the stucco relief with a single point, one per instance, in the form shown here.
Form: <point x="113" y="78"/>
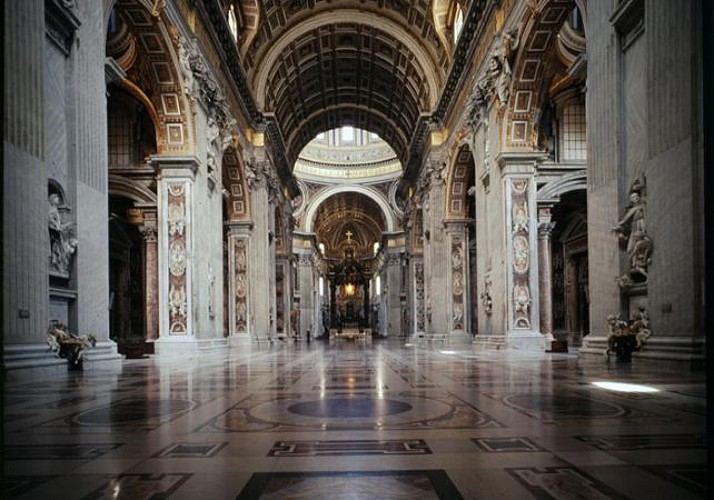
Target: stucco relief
<point x="419" y="293"/>
<point x="177" y="258"/>
<point x="520" y="254"/>
<point x="521" y="261"/>
<point x="457" y="282"/>
<point x="522" y="306"/>
<point x="240" y="256"/>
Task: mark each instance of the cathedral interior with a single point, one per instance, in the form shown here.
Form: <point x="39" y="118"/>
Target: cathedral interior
<point x="357" y="249"/>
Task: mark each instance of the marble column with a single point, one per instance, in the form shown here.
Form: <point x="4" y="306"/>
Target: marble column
<point x="176" y="264"/>
<point x="394" y="286"/>
<point x="306" y="287"/>
<point x="25" y="243"/>
<point x="261" y="272"/>
<point x="545" y="276"/>
<point x="149" y="230"/>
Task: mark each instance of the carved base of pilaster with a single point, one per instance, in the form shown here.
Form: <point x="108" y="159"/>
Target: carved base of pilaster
<point x="527" y="341"/>
<point x="490" y="342"/>
<point x="239" y="340"/>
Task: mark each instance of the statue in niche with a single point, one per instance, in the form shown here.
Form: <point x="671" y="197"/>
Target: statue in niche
<point x="63" y="242"/>
<point x="631" y="228"/>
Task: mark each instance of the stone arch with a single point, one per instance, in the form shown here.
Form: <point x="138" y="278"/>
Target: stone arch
<point x="146" y="52"/>
<point x="551" y="192"/>
<point x="459" y="181"/>
<point x="121" y="186"/>
<point x="323" y="195"/>
<point x="533" y="70"/>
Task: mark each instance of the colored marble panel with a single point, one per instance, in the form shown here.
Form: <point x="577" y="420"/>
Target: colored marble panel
<point x="408" y="484"/>
<point x="562" y="482"/>
<point x="140" y="486"/>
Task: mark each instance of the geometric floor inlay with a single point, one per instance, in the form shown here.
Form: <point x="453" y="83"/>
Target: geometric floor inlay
<point x="559" y="408"/>
<point x="506" y="444"/>
<point x="140" y="486"/>
<point x="694" y="478"/>
<point x="646" y="442"/>
<point x="406" y="485"/>
<point x="349" y="447"/>
<point x="562" y="482"/>
<point x="190" y="450"/>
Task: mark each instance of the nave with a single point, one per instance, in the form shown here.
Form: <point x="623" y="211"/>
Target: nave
<point x="355" y="419"/>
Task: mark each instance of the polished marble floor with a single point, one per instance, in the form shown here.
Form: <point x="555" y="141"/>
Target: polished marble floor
<point x="357" y="420"/>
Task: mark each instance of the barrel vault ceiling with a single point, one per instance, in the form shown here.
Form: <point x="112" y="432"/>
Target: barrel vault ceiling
<point x="317" y="65"/>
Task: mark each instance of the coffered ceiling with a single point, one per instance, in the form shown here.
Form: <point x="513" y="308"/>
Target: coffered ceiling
<point x="317" y="65"/>
<point x="352" y="213"/>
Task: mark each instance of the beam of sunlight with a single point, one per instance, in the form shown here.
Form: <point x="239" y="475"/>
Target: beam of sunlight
<point x="620" y="387"/>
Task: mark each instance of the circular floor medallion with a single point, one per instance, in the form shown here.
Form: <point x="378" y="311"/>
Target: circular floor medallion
<point x="357" y="407"/>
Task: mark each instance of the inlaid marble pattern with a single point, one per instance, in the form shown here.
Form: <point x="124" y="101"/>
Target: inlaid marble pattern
<point x="379" y="420"/>
<point x="562" y="482"/>
<point x="349" y="447"/>
<point x="506" y="444"/>
<point x="429" y="484"/>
